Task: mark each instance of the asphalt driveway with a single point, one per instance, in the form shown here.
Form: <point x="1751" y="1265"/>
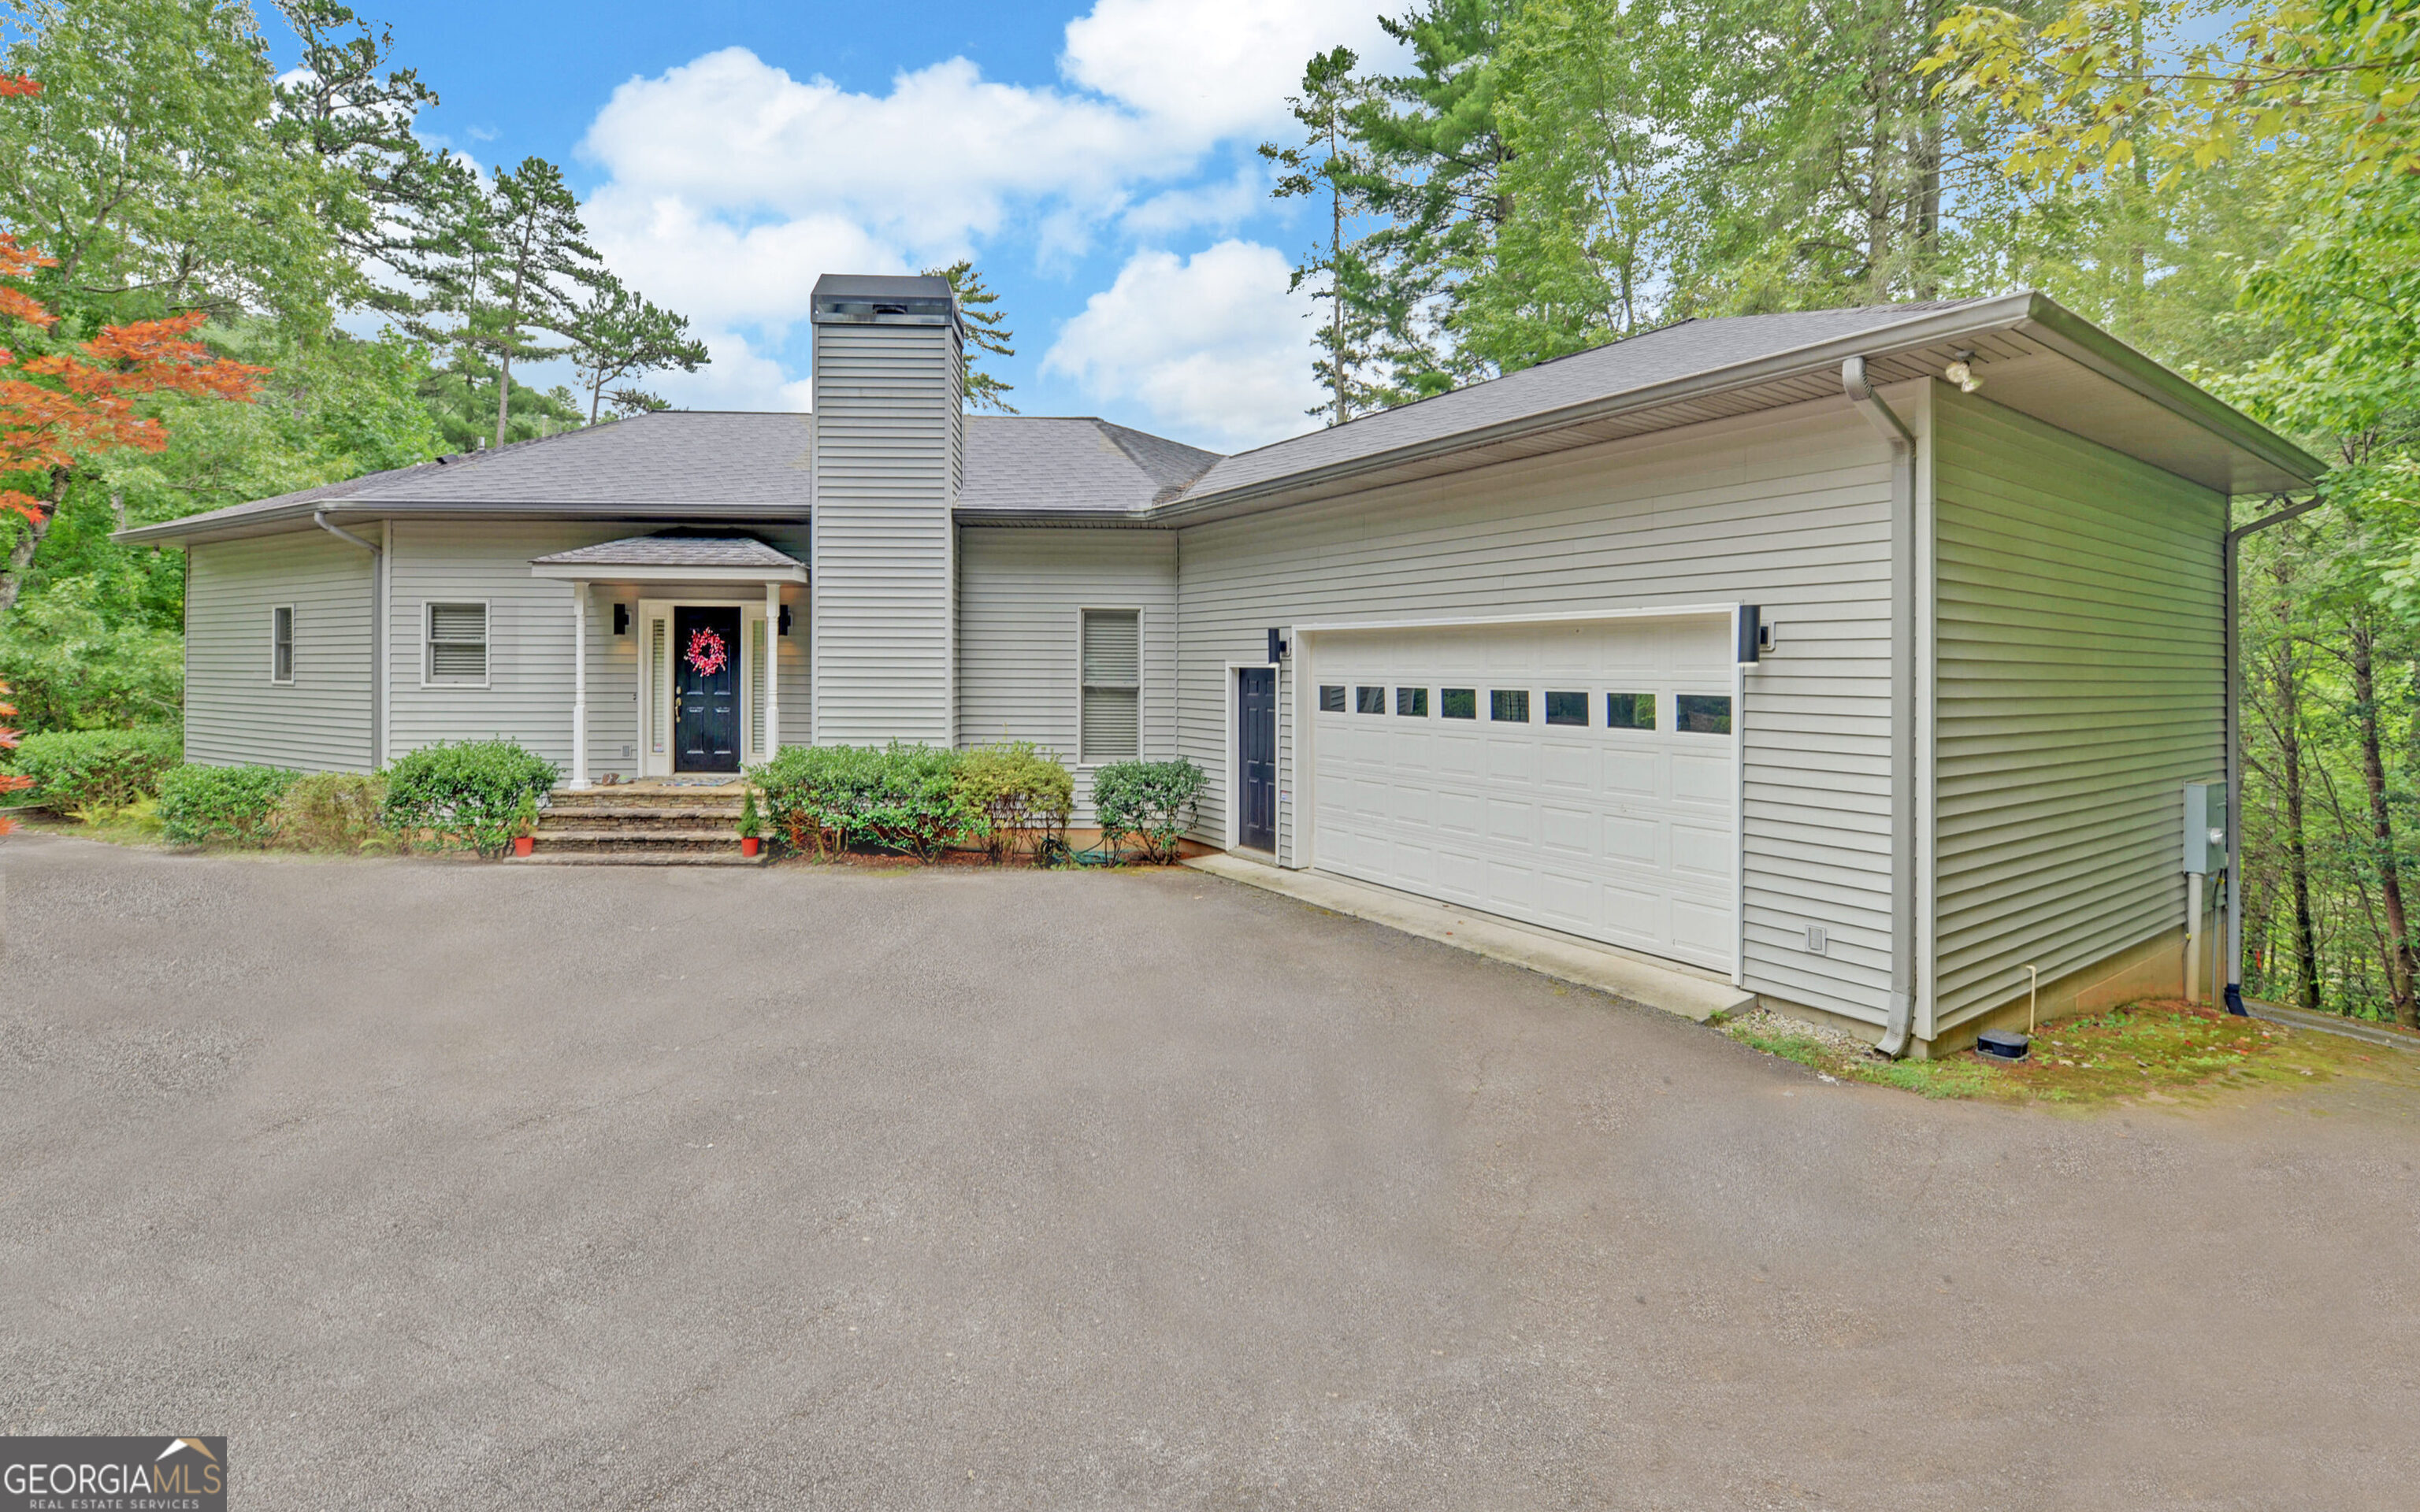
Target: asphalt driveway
<point x="440" y="1185"/>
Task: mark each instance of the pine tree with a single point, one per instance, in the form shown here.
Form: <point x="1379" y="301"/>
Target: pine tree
<point x="1326" y="162"/>
<point x="986" y="330"/>
<point x="540" y="256"/>
<point x="617" y="334"/>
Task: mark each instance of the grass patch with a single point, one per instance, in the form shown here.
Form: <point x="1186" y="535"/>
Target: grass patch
<point x="2154" y="1052"/>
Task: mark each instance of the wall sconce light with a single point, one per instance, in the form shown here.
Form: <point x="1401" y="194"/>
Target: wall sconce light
<point x="785" y="618"/>
<point x="621" y="619"/>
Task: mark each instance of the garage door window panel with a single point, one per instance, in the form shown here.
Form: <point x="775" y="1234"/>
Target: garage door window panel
<point x="1702" y="714"/>
<point x="1331" y="698"/>
<point x="1412" y="702"/>
<point x="1368" y="699"/>
<point x="1567" y="708"/>
<point x="1630" y="711"/>
<point x="1459" y="702"/>
<point x="1509" y="705"/>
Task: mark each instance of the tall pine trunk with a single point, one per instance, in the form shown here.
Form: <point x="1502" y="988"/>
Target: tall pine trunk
<point x="2399" y="960"/>
<point x="2289" y="757"/>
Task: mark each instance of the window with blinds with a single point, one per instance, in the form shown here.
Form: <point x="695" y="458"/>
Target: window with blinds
<point x="1113" y="671"/>
<point x="756" y="687"/>
<point x="458" y="643"/>
<point x="281" y="644"/>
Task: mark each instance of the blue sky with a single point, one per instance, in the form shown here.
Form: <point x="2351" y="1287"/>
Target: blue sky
<point x="1097" y="162"/>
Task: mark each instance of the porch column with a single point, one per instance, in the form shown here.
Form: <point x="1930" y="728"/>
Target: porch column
<point x="773" y="669"/>
<point x="579" y="682"/>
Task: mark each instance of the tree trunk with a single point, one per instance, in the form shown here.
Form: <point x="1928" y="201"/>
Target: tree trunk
<point x="503" y="393"/>
<point x="2399" y="960"/>
<point x="2289" y="757"/>
<point x="21" y="556"/>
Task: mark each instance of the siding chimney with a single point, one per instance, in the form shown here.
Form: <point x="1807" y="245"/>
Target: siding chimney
<point x="890" y="439"/>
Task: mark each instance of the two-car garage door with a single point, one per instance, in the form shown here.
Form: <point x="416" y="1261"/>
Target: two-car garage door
<point x="1577" y="776"/>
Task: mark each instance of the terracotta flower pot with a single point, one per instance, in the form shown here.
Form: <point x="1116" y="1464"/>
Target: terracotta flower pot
<point x="523" y="844"/>
<point x="750" y="844"/>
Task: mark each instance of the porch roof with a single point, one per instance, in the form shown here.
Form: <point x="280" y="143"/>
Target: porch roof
<point x="674" y="558"/>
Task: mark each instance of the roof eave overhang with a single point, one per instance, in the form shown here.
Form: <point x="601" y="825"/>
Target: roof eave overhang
<point x="1134" y="518"/>
<point x="2031" y="314"/>
<point x="271" y="522"/>
<point x="662" y="572"/>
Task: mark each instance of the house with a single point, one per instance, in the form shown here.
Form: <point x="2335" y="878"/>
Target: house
<point x="1764" y="645"/>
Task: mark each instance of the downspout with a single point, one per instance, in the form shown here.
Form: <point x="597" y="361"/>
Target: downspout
<point x="1899" y="1008"/>
<point x="378" y="632"/>
<point x="2235" y="752"/>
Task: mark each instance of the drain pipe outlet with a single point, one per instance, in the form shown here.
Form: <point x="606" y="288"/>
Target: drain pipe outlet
<point x="1900" y="1008"/>
<point x="377" y="631"/>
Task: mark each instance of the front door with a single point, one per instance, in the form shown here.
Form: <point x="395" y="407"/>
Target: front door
<point x="705" y="690"/>
<point x="1256" y="756"/>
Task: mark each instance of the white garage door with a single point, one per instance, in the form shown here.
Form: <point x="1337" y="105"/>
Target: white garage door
<point x="1577" y="776"/>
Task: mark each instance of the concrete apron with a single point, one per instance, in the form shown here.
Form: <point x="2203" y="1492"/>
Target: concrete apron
<point x="1637" y="979"/>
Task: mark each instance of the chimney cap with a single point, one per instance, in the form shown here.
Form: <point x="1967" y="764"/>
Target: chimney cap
<point x="862" y="298"/>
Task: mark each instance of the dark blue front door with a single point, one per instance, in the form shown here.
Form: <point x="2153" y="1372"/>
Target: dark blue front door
<point x="705" y="690"/>
<point x="1256" y="757"/>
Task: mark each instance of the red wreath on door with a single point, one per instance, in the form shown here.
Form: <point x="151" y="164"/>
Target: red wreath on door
<point x="706" y="652"/>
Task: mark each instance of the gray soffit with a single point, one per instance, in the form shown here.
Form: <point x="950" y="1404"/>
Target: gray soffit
<point x="1029" y="466"/>
<point x="707" y="465"/>
<point x="2033" y="355"/>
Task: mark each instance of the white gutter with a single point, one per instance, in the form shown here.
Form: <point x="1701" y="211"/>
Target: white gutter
<point x="1901" y="1007"/>
<point x="377" y="633"/>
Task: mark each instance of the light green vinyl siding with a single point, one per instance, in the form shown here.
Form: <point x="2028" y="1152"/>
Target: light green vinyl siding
<point x="1792" y="513"/>
<point x="320" y="721"/>
<point x="887" y="456"/>
<point x="2078" y="686"/>
<point x="1021" y="593"/>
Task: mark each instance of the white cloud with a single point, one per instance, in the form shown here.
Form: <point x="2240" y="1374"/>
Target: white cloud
<point x="928" y="165"/>
<point x="1212" y="70"/>
<point x="739" y="377"/>
<point x="1221" y="206"/>
<point x="1212" y="344"/>
<point x="721" y="273"/>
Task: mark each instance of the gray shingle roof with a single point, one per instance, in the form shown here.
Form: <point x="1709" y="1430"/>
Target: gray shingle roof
<point x="1020" y="464"/>
<point x="1691" y="348"/>
<point x="672" y="551"/>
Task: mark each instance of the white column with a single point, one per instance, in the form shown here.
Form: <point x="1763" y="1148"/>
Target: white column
<point x="580" y="684"/>
<point x="772" y="671"/>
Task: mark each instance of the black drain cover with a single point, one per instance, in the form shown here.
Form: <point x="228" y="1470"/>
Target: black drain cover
<point x="2002" y="1044"/>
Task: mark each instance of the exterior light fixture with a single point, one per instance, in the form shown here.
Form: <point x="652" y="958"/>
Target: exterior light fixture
<point x="1962" y="372"/>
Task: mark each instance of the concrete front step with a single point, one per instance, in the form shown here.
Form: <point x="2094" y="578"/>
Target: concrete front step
<point x="593" y="798"/>
<point x="627" y="839"/>
<point x="638" y="857"/>
<point x="645" y="818"/>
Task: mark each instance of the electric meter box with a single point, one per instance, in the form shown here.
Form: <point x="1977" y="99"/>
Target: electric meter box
<point x="2205" y="827"/>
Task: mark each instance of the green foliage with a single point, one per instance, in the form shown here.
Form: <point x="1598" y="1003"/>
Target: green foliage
<point x="96" y="770"/>
<point x="617" y="334"/>
<point x="1023" y="793"/>
<point x="85" y="656"/>
<point x="1154" y="801"/>
<point x="333" y="812"/>
<point x="752" y="818"/>
<point x="895" y="798"/>
<point x="986" y="332"/>
<point x="467" y="794"/>
<point x="223" y="805"/>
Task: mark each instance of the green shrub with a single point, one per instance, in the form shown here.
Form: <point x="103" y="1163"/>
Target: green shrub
<point x="898" y="797"/>
<point x="1156" y="802"/>
<point x="230" y="805"/>
<point x="1023" y="793"/>
<point x="752" y="818"/>
<point x="469" y="794"/>
<point x="332" y="811"/>
<point x="96" y="770"/>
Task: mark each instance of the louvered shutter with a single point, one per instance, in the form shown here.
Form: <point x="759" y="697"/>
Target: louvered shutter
<point x="457" y="642"/>
<point x="1112" y="673"/>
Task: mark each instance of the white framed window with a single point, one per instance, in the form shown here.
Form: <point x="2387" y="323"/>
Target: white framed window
<point x="1112" y="663"/>
<point x="454" y="638"/>
<point x="281" y="643"/>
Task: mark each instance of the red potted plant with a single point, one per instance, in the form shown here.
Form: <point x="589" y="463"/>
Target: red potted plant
<point x="752" y="825"/>
<point x="525" y="836"/>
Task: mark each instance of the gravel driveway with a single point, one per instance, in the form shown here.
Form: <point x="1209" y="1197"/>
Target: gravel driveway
<point x="447" y="1185"/>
